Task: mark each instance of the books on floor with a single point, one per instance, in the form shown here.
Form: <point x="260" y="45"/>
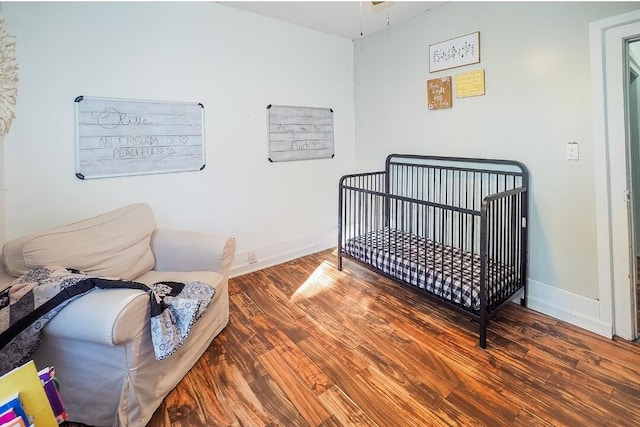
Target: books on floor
<point x="12" y="412"/>
<point x="23" y="400"/>
<point x="47" y="377"/>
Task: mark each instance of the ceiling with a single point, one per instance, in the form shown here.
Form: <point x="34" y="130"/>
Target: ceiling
<point x="339" y="18"/>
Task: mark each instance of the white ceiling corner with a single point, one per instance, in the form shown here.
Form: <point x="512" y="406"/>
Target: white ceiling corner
<point x="339" y="18"/>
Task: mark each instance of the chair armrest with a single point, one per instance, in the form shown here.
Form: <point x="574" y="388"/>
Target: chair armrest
<point x="177" y="250"/>
<point x="102" y="316"/>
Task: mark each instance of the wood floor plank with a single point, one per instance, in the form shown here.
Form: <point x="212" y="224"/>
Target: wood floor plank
<point x="584" y="381"/>
<point x="428" y="367"/>
<point x="528" y="334"/>
<point x="183" y="408"/>
<point x="593" y="400"/>
<point x="332" y="421"/>
<point x="295" y="358"/>
<point x="365" y="397"/>
<point x="398" y="394"/>
<point x="235" y="396"/>
<point x="612" y="374"/>
<point x="619" y="343"/>
<point x="626" y="400"/>
<point x="344" y="409"/>
<point x="246" y="324"/>
<point x="326" y="323"/>
<point x="316" y="380"/>
<point x="305" y="401"/>
<point x="242" y="346"/>
<point x="212" y="408"/>
<point x="540" y="399"/>
<point x="449" y="348"/>
<point x="337" y="361"/>
<point x="275" y="402"/>
<point x="281" y="313"/>
<point x="527" y="418"/>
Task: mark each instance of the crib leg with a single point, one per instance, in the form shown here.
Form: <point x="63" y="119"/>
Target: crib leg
<point x="483" y="331"/>
<point x="339" y="262"/>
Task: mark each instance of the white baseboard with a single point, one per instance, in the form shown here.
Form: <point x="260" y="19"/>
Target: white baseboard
<point x="569" y="307"/>
<point x="282" y="252"/>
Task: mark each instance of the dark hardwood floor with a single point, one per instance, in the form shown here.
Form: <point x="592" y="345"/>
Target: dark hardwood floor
<point x="308" y="345"/>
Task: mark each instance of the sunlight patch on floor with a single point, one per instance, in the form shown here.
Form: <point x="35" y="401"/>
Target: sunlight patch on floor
<point x="319" y="281"/>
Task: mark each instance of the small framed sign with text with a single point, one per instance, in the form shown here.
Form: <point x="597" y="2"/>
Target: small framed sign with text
<point x="470" y="84"/>
<point x="439" y="93"/>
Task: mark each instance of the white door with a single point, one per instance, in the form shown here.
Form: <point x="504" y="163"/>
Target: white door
<point x="609" y="42"/>
<point x="633" y="139"/>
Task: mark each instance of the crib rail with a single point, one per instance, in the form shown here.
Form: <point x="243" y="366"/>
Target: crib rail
<point x="504" y="242"/>
<point x="452" y="181"/>
<point x="452" y="228"/>
<point x="505" y="238"/>
<point x="358" y="200"/>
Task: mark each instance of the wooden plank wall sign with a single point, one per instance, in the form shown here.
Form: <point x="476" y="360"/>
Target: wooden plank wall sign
<point x="117" y="137"/>
<point x="299" y="133"/>
<point x="439" y="93"/>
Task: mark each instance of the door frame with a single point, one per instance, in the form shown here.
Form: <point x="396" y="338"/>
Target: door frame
<point x="606" y="40"/>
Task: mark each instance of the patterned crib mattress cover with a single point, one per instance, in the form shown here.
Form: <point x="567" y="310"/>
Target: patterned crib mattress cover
<point x="447" y="272"/>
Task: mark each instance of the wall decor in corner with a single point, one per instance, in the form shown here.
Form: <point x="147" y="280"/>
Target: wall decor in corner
<point x="439" y="93"/>
<point x="470" y="84"/>
<point x="119" y="137"/>
<point x="8" y="79"/>
<point x="463" y="50"/>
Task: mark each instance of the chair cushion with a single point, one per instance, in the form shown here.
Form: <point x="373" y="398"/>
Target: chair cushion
<point x="114" y="244"/>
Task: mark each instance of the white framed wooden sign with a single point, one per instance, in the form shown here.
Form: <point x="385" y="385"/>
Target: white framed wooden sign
<point x="299" y="133"/>
<point x="118" y="137"/>
<point x="463" y="50"/>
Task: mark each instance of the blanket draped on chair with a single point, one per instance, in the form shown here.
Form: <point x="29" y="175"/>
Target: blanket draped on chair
<point x="36" y="297"/>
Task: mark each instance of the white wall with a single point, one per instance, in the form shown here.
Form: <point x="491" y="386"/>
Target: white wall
<point x="233" y="62"/>
<point x="3" y="215"/>
<point x="536" y="61"/>
<point x="2" y="201"/>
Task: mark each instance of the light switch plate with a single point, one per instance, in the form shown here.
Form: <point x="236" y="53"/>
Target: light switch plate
<point x="573" y="151"/>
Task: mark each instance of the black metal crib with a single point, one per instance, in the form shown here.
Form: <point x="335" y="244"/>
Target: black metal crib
<point x="453" y="228"/>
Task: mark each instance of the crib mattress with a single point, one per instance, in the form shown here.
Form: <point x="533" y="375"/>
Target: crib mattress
<point x="447" y="272"/>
